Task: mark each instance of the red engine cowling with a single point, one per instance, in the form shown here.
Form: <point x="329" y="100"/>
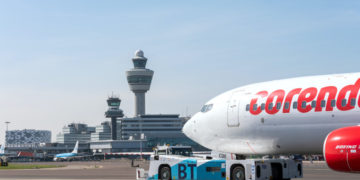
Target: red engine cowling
<point x="342" y="149"/>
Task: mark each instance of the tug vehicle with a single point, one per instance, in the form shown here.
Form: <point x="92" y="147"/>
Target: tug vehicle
<point x="3" y="161"/>
<point x="179" y="163"/>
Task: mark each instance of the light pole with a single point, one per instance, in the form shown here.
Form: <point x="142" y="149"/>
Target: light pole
<point x="141" y="138"/>
<point x="7" y="125"/>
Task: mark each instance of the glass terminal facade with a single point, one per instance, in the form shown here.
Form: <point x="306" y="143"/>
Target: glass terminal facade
<point x="27" y="136"/>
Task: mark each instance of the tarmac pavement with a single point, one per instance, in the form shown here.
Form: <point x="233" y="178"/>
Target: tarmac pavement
<point x="121" y="169"/>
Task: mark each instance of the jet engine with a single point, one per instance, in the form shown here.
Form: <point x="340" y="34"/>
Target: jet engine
<point x="342" y="149"/>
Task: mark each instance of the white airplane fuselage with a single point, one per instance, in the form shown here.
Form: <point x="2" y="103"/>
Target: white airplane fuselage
<point x="290" y="116"/>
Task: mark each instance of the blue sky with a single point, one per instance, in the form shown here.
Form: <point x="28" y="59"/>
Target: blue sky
<point x="59" y="60"/>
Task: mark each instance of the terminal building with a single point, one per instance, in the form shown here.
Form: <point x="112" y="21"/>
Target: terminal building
<point x="75" y="132"/>
<point x="152" y="125"/>
<point x="27" y="137"/>
<point x="157" y="129"/>
<point x="145" y="132"/>
<point x="102" y="132"/>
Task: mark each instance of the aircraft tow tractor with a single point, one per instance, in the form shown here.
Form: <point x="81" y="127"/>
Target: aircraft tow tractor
<point x="178" y="162"/>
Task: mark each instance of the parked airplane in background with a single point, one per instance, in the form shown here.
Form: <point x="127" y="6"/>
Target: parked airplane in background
<point x="69" y="156"/>
<point x="2" y="150"/>
<point x="8" y="154"/>
<point x="306" y="115"/>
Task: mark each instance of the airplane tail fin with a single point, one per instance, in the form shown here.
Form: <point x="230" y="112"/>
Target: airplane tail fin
<point x="76" y="147"/>
<point x="2" y="149"/>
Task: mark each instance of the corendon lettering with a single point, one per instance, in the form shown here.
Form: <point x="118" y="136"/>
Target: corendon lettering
<point x="256" y="110"/>
<point x="289" y="98"/>
<point x="331" y="91"/>
<point x="353" y="90"/>
<point x="306" y="97"/>
<point x="279" y="94"/>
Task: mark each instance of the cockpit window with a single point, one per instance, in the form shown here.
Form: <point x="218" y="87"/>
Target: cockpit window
<point x="209" y="107"/>
<point x="203" y="109"/>
<point x="206" y="108"/>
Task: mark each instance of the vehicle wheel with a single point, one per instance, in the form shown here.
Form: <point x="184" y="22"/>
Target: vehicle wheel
<point x="165" y="173"/>
<point x="238" y="173"/>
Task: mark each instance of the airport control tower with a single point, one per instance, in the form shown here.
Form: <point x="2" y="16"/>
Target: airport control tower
<point x="139" y="79"/>
<point x="114" y="112"/>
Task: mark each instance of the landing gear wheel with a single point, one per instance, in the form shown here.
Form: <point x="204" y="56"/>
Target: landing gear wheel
<point x="165" y="173"/>
<point x="238" y="173"/>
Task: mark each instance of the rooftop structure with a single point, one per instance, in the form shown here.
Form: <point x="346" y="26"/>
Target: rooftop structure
<point x="139" y="79"/>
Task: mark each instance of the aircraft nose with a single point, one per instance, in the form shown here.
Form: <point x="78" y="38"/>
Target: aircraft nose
<point x="189" y="128"/>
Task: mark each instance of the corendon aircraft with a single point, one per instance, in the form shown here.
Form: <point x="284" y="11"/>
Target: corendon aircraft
<point x="305" y="115"/>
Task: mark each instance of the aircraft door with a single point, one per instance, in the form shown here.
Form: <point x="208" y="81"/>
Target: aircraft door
<point x="233" y="111"/>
